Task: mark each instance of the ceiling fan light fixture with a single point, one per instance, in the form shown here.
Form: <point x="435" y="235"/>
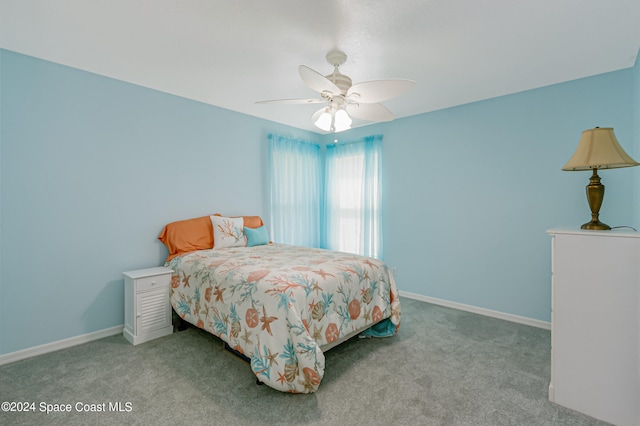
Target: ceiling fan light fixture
<point x="333" y="120"/>
<point x="342" y="121"/>
<point x="324" y="121"/>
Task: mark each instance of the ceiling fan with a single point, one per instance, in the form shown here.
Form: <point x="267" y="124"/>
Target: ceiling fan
<point x="345" y="100"/>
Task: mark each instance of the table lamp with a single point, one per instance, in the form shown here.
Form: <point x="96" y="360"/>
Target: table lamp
<point x="598" y="149"/>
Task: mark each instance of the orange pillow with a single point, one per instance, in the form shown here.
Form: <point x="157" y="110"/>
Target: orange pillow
<point x="249" y="221"/>
<point x="189" y="235"/>
<point x="252" y="221"/>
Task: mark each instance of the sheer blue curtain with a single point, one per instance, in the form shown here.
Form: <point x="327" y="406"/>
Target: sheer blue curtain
<point x="295" y="173"/>
<point x="353" y="197"/>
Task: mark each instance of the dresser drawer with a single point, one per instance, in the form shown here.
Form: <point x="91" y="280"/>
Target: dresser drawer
<point x="150" y="283"/>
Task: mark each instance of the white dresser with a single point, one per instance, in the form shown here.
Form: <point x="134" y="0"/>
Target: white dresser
<point x="595" y="323"/>
<point x="147" y="309"/>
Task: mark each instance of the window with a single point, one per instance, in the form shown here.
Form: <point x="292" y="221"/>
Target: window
<point x="353" y="216"/>
<point x="295" y="170"/>
<point x="343" y="206"/>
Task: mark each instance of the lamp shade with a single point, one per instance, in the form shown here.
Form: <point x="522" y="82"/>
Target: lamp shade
<point x="342" y="121"/>
<point x="332" y="119"/>
<point x="599" y="149"/>
<point x="324" y="121"/>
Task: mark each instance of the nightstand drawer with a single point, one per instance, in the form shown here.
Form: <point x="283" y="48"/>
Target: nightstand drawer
<point x="150" y="283"/>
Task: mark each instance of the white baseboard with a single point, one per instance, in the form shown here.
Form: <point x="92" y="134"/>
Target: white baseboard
<point x="481" y="311"/>
<point x="60" y="344"/>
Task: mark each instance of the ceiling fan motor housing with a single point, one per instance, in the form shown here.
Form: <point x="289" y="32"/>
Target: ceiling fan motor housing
<point x="342" y="81"/>
<point x="337" y="58"/>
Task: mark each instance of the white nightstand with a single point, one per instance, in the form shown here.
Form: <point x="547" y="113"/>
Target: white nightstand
<point x="147" y="310"/>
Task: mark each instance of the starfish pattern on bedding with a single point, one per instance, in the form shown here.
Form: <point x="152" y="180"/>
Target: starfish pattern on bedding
<point x="247" y="336"/>
<point x="185" y="279"/>
<point x="267" y="321"/>
<point x="323" y="274"/>
<point x="218" y="292"/>
<point x="272" y="357"/>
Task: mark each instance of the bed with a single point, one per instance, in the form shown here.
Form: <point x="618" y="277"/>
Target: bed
<point x="280" y="306"/>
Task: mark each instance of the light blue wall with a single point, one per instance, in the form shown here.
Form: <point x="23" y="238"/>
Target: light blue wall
<point x="470" y="191"/>
<point x="92" y="168"/>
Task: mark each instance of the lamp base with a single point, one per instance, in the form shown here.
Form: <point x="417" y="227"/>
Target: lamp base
<point x="595" y="194"/>
<point x="596" y="226"/>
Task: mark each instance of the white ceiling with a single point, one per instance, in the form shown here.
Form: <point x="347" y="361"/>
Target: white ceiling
<point x="232" y="53"/>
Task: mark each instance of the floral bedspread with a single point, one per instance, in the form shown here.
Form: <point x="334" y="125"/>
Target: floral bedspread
<point x="277" y="304"/>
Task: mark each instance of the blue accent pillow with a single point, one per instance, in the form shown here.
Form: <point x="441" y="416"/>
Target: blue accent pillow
<point x="256" y="236"/>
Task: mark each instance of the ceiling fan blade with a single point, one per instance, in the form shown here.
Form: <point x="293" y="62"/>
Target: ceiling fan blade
<point x="292" y="101"/>
<point x="375" y="91"/>
<point x="370" y="112"/>
<point x="317" y="81"/>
